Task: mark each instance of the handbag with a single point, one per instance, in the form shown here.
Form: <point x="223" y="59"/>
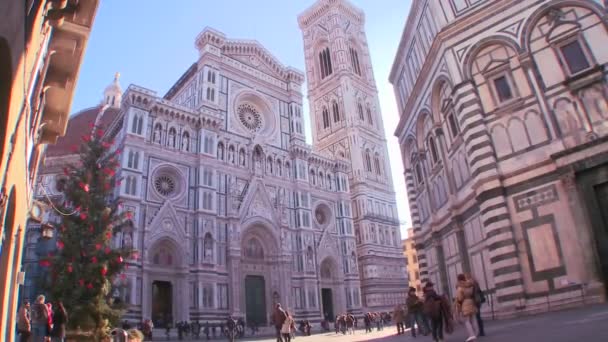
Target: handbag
<point x="286" y="328"/>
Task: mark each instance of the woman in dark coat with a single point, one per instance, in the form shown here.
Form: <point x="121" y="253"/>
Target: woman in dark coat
<point x="60" y="319"/>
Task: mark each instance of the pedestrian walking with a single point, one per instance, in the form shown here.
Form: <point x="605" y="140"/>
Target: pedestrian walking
<point x="24" y="324"/>
<point x="286" y="327"/>
<point x="480" y="299"/>
<point x="436" y="308"/>
<point x="466" y="305"/>
<point x="278" y="318"/>
<point x="414" y="310"/>
<point x="60" y="319"/>
<point x="399" y="317"/>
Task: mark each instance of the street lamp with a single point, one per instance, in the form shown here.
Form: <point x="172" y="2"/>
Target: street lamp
<point x="47" y="231"/>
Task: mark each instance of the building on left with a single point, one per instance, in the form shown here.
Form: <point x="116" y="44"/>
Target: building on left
<point x="42" y="43"/>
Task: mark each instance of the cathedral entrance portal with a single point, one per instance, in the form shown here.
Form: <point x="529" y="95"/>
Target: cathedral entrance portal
<point x="328" y="304"/>
<point x="255" y="300"/>
<point x="162" y="303"/>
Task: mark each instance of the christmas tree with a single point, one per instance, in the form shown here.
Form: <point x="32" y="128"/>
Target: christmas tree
<point x="85" y="265"/>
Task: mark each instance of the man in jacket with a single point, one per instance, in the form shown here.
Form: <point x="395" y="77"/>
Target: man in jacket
<point x="278" y="318"/>
<point x="24" y="325"/>
<point x="399" y="317"/>
<point x="414" y="311"/>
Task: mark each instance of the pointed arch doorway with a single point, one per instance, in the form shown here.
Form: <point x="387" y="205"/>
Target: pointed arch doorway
<point x="162" y="303"/>
<point x="255" y="299"/>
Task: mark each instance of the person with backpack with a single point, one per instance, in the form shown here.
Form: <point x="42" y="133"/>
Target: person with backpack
<point x="40" y="316"/>
<point x="480" y="299"/>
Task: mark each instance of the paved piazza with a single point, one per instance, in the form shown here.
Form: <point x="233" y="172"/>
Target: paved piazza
<point x="584" y="325"/>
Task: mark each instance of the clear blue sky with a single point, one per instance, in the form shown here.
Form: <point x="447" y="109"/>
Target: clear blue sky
<point x="151" y="43"/>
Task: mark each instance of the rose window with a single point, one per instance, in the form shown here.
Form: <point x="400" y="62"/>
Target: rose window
<point x="250" y="117"/>
<point x="165" y="185"/>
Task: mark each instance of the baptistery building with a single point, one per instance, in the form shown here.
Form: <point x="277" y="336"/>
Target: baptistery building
<point x="232" y="210"/>
<point x="504" y="138"/>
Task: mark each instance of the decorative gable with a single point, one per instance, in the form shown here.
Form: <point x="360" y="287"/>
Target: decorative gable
<point x="257" y="203"/>
<point x="165" y="224"/>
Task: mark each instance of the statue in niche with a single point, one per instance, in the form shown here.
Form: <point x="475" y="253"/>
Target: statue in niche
<point x="258" y="163"/>
<point x="242" y="157"/>
<point x="231" y="154"/>
<point x="310" y="258"/>
<point x="127" y="240"/>
<point x="185" y="142"/>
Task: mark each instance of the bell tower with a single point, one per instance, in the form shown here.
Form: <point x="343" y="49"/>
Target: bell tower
<point x="347" y="124"/>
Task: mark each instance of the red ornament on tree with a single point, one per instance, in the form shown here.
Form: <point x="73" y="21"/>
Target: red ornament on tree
<point x="83" y="216"/>
<point x="60" y="244"/>
<point x="70" y="268"/>
<point x="45" y="263"/>
<point x="97" y="246"/>
<point x="84" y="186"/>
<point x="81" y="282"/>
<point x="104" y="271"/>
<point x="107" y="250"/>
<point x="86" y="138"/>
<point x="89" y="286"/>
<point x="123" y="276"/>
<point x="129" y="215"/>
<point x="94" y="259"/>
<point x="108" y="235"/>
<point x="66" y="171"/>
<point x="100" y="133"/>
<point x="119" y="259"/>
<point x="74" y="148"/>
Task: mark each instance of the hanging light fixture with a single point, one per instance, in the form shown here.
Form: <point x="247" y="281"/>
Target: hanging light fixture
<point x="48" y="231"/>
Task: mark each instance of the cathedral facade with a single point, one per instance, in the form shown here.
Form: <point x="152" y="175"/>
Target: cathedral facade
<point x="504" y="139"/>
<point x="232" y="210"/>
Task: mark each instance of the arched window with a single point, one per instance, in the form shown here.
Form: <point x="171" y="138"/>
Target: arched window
<point x="208" y="248"/>
<point x="336" y="111"/>
<point x="454" y="129"/>
<point x="354" y="61"/>
<point x="186" y="141"/>
<point x="158" y="129"/>
<point x="321" y="179"/>
<point x="279" y="168"/>
<point x="369" y="116"/>
<point x="325" y="63"/>
<point x="377" y="164"/>
<point x="418" y="170"/>
<point x="329" y="181"/>
<point x="269" y="167"/>
<point x="313" y="178"/>
<point x="171" y="137"/>
<point x="368" y="162"/>
<point x="136" y="124"/>
<point x="360" y="110"/>
<point x="325" y="118"/>
<point x="433" y="149"/>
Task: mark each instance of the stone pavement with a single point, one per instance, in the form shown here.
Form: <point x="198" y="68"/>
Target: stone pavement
<point x="589" y="324"/>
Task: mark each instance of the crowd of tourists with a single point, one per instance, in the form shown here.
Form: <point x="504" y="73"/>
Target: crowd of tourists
<point x="435" y="315"/>
<point x="41" y="322"/>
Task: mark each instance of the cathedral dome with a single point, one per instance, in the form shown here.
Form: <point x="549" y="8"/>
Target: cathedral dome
<point x="78" y="125"/>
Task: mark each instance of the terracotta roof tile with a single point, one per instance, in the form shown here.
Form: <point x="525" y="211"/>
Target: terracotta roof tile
<point x="78" y="125"/>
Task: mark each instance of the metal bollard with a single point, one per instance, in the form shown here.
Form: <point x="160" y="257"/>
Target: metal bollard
<point x="118" y="335"/>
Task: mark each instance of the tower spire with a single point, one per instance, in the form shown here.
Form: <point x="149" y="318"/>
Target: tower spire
<point x="112" y="95"/>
